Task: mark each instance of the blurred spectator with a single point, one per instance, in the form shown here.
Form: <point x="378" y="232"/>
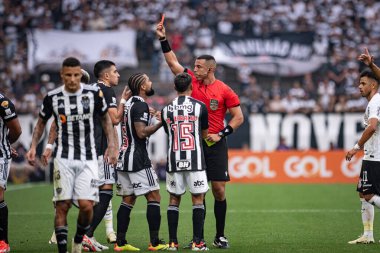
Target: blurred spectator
<point x="282" y="146"/>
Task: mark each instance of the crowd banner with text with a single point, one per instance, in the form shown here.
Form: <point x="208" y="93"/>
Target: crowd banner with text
<point x="285" y="54"/>
<point x="49" y="47"/>
<point x="293" y="167"/>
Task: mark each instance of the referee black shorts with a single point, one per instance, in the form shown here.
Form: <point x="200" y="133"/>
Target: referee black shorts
<point x="369" y="180"/>
<point x="216" y="157"/>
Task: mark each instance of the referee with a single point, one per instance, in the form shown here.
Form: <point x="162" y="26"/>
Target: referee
<point x="219" y="98"/>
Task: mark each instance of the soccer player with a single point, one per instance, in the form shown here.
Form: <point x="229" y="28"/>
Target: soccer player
<point x="74" y="107"/>
<point x="185" y="120"/>
<point x="367" y="210"/>
<point x="135" y="174"/>
<point x="369" y="183"/>
<point x="219" y="98"/>
<point x="10" y="131"/>
<point x="108" y="76"/>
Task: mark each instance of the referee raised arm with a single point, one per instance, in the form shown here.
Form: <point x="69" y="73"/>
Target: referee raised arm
<point x="219" y="98"/>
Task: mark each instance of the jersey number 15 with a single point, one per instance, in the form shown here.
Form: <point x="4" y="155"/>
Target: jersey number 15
<point x="183" y="138"/>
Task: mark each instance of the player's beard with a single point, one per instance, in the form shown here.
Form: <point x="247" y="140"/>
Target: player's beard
<point x="150" y="93"/>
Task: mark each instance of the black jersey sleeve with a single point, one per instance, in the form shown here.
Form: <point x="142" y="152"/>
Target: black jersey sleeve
<point x="204" y="117"/>
<point x="164" y="124"/>
<point x="140" y="113"/>
<point x="46" y="108"/>
<point x="7" y="109"/>
<point x="110" y="97"/>
<point x="100" y="103"/>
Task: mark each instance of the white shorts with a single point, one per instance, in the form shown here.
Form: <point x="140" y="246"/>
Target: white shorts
<point x="176" y="182"/>
<point x="5" y="165"/>
<point x="106" y="172"/>
<point x="137" y="183"/>
<point x="75" y="179"/>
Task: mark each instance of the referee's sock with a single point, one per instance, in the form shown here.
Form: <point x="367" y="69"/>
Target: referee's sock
<point x="198" y="221"/>
<point x="100" y="210"/>
<point x="3" y="221"/>
<point x="173" y="216"/>
<point x="123" y="218"/>
<point x="220" y="209"/>
<point x="154" y="220"/>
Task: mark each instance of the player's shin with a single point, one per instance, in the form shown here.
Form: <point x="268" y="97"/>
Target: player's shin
<point x="173" y="216"/>
<point x="123" y="218"/>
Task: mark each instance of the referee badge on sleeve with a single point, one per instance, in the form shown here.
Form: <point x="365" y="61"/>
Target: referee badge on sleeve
<point x="214" y="104"/>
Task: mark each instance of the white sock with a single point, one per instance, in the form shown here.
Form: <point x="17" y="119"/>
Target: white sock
<point x="368" y="215"/>
<point x="108" y="219"/>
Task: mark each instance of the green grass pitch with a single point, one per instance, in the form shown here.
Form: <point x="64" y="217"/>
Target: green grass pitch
<point x="261" y="218"/>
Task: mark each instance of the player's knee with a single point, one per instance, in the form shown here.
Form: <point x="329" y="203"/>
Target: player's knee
<point x="86" y="208"/>
<point x="368" y="197"/>
<point x="130" y="200"/>
<point x="153" y="196"/>
<point x="219" y="193"/>
<point x="174" y="200"/>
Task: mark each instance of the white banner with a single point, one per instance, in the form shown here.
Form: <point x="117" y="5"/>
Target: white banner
<point x="51" y="47"/>
<point x="284" y="54"/>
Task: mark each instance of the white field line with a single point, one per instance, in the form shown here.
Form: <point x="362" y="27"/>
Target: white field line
<point x="263" y="211"/>
<point x="18" y="187"/>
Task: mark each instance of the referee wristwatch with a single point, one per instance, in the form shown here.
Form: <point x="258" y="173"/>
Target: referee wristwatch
<point x="221" y="134"/>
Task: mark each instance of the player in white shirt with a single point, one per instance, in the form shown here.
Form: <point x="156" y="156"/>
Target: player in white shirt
<point x="369" y="180"/>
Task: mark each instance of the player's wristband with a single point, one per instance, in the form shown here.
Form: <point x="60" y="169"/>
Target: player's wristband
<point x="357" y="147"/>
<point x="49" y="146"/>
<point x="226" y="131"/>
<point x="165" y="46"/>
<point x="123" y="101"/>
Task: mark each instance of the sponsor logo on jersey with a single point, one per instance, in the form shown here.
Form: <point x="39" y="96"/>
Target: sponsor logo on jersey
<point x="184" y="107"/>
<point x="214" y="104"/>
<point x="72" y="118"/>
<point x="183" y="164"/>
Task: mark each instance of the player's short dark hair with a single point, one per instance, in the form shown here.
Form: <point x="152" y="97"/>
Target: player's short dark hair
<point x="102" y="65"/>
<point x="70" y="62"/>
<point x="135" y="81"/>
<point x="369" y="73"/>
<point x="85" y="77"/>
<point x="182" y="82"/>
<point x="208" y="58"/>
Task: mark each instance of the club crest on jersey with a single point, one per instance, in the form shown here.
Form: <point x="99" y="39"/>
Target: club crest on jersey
<point x="85" y="102"/>
<point x="214" y="104"/>
<point x="5" y="104"/>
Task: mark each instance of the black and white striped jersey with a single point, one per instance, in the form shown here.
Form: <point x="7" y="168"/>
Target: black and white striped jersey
<point x="183" y="121"/>
<point x="133" y="154"/>
<point x="7" y="113"/>
<point x="75" y="116"/>
<point x="100" y="136"/>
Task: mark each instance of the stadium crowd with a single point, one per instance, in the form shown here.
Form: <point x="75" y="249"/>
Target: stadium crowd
<point x="342" y="26"/>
